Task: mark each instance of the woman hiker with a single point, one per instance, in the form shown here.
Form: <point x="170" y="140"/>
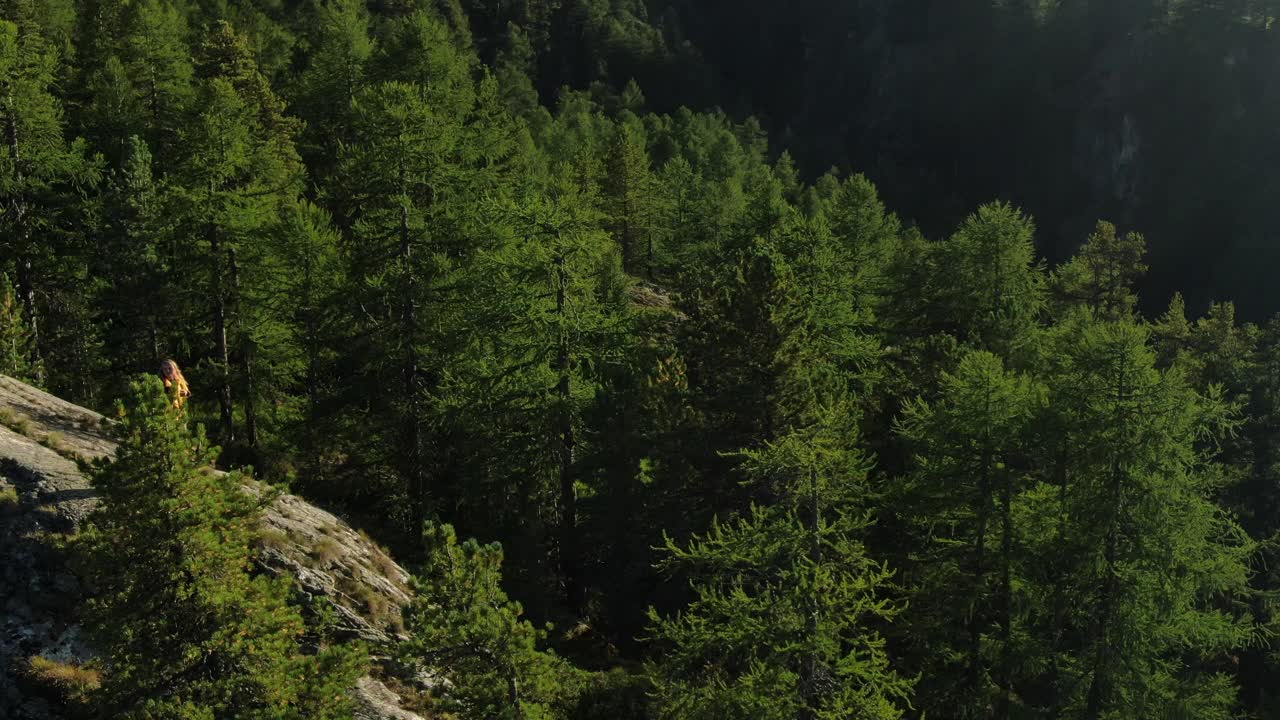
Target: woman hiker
<point x="175" y="383"/>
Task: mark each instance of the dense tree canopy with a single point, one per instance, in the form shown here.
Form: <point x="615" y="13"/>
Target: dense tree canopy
<point x="734" y="438"/>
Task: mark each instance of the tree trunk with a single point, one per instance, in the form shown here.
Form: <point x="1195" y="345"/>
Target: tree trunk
<point x="221" y="350"/>
<point x="1057" y="697"/>
<point x="809" y="672"/>
<point x="1006" y="598"/>
<point x="246" y="355"/>
<point x="570" y="559"/>
<point x="1101" y="681"/>
<point x="976" y="615"/>
<point x="412" y="419"/>
<point x="22" y="241"/>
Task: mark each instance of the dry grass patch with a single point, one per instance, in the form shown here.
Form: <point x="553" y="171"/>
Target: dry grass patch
<point x="56" y="442"/>
<point x="72" y="681"/>
<point x="386" y="566"/>
<point x="372" y="603"/>
<point x="270" y="537"/>
<point x="383" y="562"/>
<point x="9" y="499"/>
<point x="15" y="421"/>
<point x="325" y="551"/>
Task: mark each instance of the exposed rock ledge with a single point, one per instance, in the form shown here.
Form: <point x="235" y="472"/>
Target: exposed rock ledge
<point x="40" y="596"/>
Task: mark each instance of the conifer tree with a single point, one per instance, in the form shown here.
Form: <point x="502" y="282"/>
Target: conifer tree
<point x="559" y="317"/>
<point x="629" y="194"/>
<point x="782" y="624"/>
<point x="969" y="472"/>
<point x="292" y="296"/>
<point x="989" y="285"/>
<point x="462" y="623"/>
<point x="239" y="166"/>
<point x="785" y="593"/>
<point x="339" y="65"/>
<point x="187" y="631"/>
<point x="1101" y="276"/>
<point x="423" y="148"/>
<point x="1130" y="558"/>
<point x="137" y="262"/>
<point x="142" y="81"/>
<point x="41" y="181"/>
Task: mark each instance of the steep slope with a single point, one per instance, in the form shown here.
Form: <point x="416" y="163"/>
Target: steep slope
<point x="44" y="495"/>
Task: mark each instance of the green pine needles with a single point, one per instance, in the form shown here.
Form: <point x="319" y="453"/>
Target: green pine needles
<point x="185" y="629"/>
<point x="464" y="627"/>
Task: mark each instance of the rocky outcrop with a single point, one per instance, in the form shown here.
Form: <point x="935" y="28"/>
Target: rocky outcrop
<point x="45" y="495"/>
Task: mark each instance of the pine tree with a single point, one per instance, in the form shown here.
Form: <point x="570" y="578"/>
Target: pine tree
<point x="1130" y="559"/>
<point x="1101" y="276"/>
<point x="186" y="630"/>
<point x="462" y="623"/>
<point x="785" y="598"/>
<point x="969" y="456"/>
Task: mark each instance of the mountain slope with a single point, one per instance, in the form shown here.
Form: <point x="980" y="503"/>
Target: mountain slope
<point x="45" y="495"/>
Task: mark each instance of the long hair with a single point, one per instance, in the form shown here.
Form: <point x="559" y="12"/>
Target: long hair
<point x="172" y="376"/>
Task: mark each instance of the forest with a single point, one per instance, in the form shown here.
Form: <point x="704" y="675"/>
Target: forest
<point x="820" y="359"/>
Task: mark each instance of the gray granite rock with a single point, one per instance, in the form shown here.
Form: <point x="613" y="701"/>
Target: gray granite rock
<point x="40" y="450"/>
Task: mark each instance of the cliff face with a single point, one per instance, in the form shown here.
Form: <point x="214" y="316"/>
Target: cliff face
<point x="44" y="495"/>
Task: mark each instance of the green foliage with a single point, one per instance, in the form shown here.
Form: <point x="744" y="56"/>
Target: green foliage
<point x="43" y="183"/>
<point x="464" y="626"/>
<point x="465" y="262"/>
<point x="16" y="347"/>
<point x="185" y="628"/>
<point x="1102" y="274"/>
<point x="782" y="623"/>
<point x="966" y="548"/>
<point x="989" y="285"/>
<point x="1129" y="554"/>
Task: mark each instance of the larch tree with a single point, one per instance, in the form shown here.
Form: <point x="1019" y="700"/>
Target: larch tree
<point x="16" y="351"/>
<point x="239" y="166"/>
<point x="43" y="179"/>
<point x="988" y="286"/>
<point x="422" y="146"/>
<point x="1102" y="274"/>
<point x="629" y="192"/>
<point x="1130" y="559"/>
<point x="969" y="470"/>
<point x="785" y="593"/>
<point x="555" y="299"/>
